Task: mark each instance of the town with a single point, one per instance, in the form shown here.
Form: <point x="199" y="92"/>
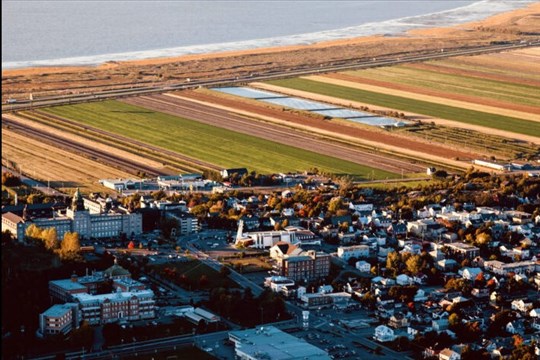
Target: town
<point x="314" y="266"/>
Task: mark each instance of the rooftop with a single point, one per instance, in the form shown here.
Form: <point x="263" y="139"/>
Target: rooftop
<point x="59" y="310"/>
<point x="117" y="296"/>
<point x="271" y="343"/>
<point x="68" y="284"/>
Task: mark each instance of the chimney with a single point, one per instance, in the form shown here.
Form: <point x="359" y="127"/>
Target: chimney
<point x="74" y="278"/>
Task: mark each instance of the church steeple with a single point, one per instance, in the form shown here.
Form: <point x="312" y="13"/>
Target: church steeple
<point x="77" y="204"/>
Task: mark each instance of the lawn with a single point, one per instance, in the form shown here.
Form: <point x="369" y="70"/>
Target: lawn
<point x="247" y="265"/>
<point x="457" y="84"/>
<point x="421" y="107"/>
<point x="219" y="146"/>
<point x="189" y="275"/>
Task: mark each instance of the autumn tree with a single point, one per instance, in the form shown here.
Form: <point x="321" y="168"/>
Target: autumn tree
<point x="414" y="264"/>
<point x="10" y="180"/>
<point x="70" y="246"/>
<point x="50" y="239"/>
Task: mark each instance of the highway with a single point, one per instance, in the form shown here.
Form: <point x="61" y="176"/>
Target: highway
<point x="273" y="74"/>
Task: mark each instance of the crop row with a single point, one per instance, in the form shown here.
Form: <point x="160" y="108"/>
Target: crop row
<point x="208" y="143"/>
<point x="417" y="106"/>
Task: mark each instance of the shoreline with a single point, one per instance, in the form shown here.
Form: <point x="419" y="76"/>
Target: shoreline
<point x="400" y="27"/>
<point x="508" y="26"/>
<point x="435" y="31"/>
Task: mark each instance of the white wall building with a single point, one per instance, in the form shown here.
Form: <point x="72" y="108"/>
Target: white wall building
<point x="357" y="251"/>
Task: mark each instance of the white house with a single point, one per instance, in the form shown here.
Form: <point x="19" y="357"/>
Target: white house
<point x="404" y="280"/>
<point x="514" y="327"/>
<point x="534" y="313"/>
<point x="449" y="354"/>
<point x="347" y="252"/>
<point x="470" y="273"/>
<point x="384" y="334"/>
<point x="363" y="266"/>
<point x="420" y="296"/>
<point x="520" y="305"/>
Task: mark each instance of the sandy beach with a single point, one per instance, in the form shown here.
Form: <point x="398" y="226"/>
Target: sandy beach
<point x="522" y="24"/>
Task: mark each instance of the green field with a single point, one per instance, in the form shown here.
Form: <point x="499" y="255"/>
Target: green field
<point x="421" y="107"/>
<point x="219" y="146"/>
<point x="455" y="84"/>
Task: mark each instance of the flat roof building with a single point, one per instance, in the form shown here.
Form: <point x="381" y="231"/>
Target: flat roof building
<point x="271" y="343"/>
<point x="59" y="319"/>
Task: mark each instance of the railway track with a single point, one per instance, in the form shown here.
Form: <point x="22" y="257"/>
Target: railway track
<point x="92" y="154"/>
<point x="271" y="74"/>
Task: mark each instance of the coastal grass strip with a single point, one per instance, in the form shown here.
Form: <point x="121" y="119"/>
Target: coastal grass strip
<point x="504" y="123"/>
<point x="222" y="147"/>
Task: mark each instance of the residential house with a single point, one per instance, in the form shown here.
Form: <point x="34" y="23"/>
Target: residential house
<point x="535" y="313"/>
<point x="469" y="273"/>
<point x="398" y="321"/>
<point x="403" y="279"/>
<point x="449" y="354"/>
<point x="363" y="266"/>
<point x="463" y="250"/>
<point x="440" y="325"/>
<point x="515" y="327"/>
<point x="360" y="208"/>
<point x="226" y="173"/>
<point x="480" y="293"/>
<point x="251" y="222"/>
<point x="384" y="334"/>
<point x="521" y="306"/>
<point x="358" y="251"/>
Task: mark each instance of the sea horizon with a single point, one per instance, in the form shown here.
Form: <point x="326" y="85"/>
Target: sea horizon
<point x="456" y="14"/>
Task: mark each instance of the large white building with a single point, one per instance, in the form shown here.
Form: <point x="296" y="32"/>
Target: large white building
<point x="263" y="239"/>
<point x="81" y="219"/>
<point x="269" y="342"/>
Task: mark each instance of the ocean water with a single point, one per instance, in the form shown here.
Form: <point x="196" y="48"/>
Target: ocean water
<point x="85" y="32"/>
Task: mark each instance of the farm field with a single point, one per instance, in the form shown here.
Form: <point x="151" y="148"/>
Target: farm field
<point x="489" y="145"/>
<point x="462" y="115"/>
<point x="65" y="170"/>
<point x="440" y="79"/>
<point x="209" y="143"/>
<point x="371" y="137"/>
